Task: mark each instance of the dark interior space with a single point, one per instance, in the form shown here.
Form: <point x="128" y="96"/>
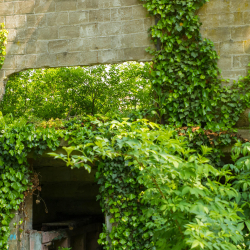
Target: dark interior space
<point x="67" y="204"/>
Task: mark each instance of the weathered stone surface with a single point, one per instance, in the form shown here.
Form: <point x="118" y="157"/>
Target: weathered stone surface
<point x="54" y="33"/>
<point x="227" y="24"/>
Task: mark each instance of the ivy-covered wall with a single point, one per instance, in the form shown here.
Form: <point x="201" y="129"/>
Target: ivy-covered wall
<point x="66" y="33"/>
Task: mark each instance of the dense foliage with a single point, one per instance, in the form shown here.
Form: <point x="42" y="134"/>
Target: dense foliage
<point x="185" y="73"/>
<point x="119" y="194"/>
<point x="164" y="195"/>
<point x="64" y="92"/>
<point x="159" y="184"/>
<point x="3" y="41"/>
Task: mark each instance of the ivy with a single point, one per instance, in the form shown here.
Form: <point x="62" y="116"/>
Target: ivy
<point x="185" y="75"/>
<point x="158" y="184"/>
<point x="119" y="195"/>
<point x="3" y="42"/>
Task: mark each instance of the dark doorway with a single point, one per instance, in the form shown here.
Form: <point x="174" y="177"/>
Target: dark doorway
<point x="65" y="209"/>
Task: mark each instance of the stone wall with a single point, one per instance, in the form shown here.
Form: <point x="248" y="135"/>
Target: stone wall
<point x="54" y="33"/>
<point x="227" y="24"/>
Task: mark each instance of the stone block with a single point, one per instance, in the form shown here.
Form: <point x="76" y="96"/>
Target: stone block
<point x="244" y="120"/>
<point x="25" y="7"/>
<point x="31" y="47"/>
<point x="66" y="59"/>
<point x="79" y="17"/>
<point x="56" y="19"/>
<point x="148" y="22"/>
<point x="12" y="35"/>
<point x="130" y="2"/>
<point x="9" y="62"/>
<point x="219" y="34"/>
<point x="244" y="133"/>
<point x="218" y="7"/>
<point x="109" y="29"/>
<point x="88" y="58"/>
<point x="47" y="33"/>
<point x="42" y="47"/>
<point x="2" y="76"/>
<point x="92" y="4"/>
<point x="239" y="6"/>
<point x="210" y="20"/>
<point x="6" y="8"/>
<point x="46" y="60"/>
<point x="36" y="20"/>
<point x="81" y="5"/>
<point x="246" y="17"/>
<point x="135" y="54"/>
<point x="127" y="41"/>
<point x="116" y="41"/>
<point x="69" y="32"/>
<point x="233" y="74"/>
<point x="109" y="4"/>
<point x="58" y="46"/>
<point x="133" y="26"/>
<point x="80" y="45"/>
<point x="247" y="46"/>
<point x="27" y="34"/>
<point x="44" y="6"/>
<point x="25" y="62"/>
<point x="66" y="5"/>
<point x="230" y="19"/>
<point x="102" y="15"/>
<point x="142" y="39"/>
<point x="240" y="62"/>
<point x="100" y="43"/>
<point x="120" y="14"/>
<point x="87" y="30"/>
<point x="225" y="62"/>
<point x="15" y="48"/>
<point x="231" y="48"/>
<point x="30" y="62"/>
<point x="17" y="21"/>
<point x="139" y="12"/>
<point x="241" y="33"/>
<point x="107" y="56"/>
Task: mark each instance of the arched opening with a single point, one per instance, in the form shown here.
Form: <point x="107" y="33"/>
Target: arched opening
<point x="71" y="91"/>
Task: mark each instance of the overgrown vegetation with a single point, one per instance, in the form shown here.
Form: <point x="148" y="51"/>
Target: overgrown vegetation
<point x="163" y="187"/>
<point x="185" y="73"/>
<point x="65" y="92"/>
<point x="3" y="42"/>
<point x="159" y="192"/>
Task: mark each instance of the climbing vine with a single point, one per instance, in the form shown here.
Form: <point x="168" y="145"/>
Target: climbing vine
<point x="185" y="75"/>
<point x="3" y="42"/>
<point x="119" y="195"/>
